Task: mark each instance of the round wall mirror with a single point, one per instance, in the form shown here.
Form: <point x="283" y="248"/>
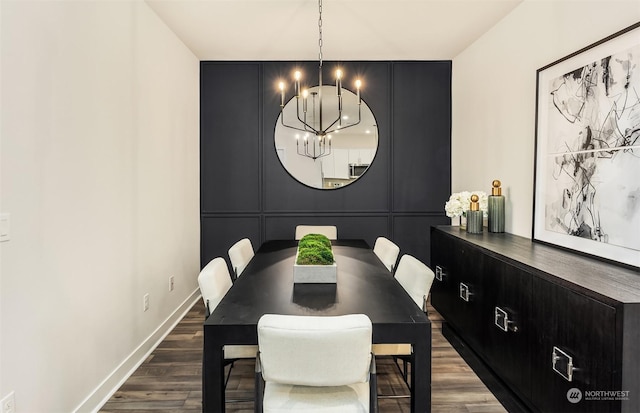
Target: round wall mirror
<point x="329" y="161"/>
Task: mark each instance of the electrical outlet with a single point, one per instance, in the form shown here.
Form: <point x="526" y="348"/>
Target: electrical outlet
<point x="8" y="404"/>
<point x="145" y="302"/>
<point x="171" y="283"/>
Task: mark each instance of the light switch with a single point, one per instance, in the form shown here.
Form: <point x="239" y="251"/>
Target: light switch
<point x="5" y="227"/>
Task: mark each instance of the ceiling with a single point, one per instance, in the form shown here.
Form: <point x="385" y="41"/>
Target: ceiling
<point x="352" y="29"/>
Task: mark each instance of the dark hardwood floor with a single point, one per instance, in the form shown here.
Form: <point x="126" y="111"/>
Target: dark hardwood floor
<point x="170" y="379"/>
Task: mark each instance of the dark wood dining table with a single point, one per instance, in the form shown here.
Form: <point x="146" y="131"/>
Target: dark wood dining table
<point x="364" y="286"/>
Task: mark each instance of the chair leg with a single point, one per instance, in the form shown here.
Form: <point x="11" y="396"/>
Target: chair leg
<point x="405" y="377"/>
<point x="404" y="370"/>
<point x="373" y="385"/>
<point x="258" y="387"/>
<point x="226" y="381"/>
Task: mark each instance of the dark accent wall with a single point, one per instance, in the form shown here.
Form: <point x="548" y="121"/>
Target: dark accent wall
<point x="245" y="191"/>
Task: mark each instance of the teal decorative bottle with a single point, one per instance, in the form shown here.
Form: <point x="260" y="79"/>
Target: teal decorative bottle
<point x="496" y="208"/>
<point x="474" y="216"/>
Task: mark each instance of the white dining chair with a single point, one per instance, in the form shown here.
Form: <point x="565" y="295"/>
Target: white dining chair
<point x="214" y="281"/>
<point x="240" y="254"/>
<point x="330" y="231"/>
<point x="416" y="279"/>
<point x="387" y="251"/>
<point x="315" y="363"/>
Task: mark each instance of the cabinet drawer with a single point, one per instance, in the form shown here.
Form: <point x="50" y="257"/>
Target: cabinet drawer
<point x="575" y="348"/>
<point x="457" y="291"/>
<point x="506" y="315"/>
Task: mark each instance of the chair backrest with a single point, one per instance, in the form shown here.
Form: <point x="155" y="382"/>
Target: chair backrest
<point x="240" y="254"/>
<point x="214" y="282"/>
<point x="387" y="251"/>
<point x="330" y="231"/>
<point x="416" y="278"/>
<point x="313" y="350"/>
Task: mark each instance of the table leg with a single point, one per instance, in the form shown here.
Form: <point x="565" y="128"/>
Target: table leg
<point x="212" y="376"/>
<point x="421" y="372"/>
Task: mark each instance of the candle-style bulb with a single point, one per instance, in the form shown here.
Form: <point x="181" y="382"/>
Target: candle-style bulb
<point x="305" y="94"/>
<point x="358" y="85"/>
<point x="297" y="75"/>
<point x="281" y="85"/>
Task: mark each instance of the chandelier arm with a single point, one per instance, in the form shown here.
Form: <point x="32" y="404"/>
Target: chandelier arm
<point x="295" y="127"/>
<point x="329" y="130"/>
<point x="306" y="150"/>
<point x="306" y="125"/>
<point x="298" y="149"/>
<point x="304" y="110"/>
<point x="345" y="127"/>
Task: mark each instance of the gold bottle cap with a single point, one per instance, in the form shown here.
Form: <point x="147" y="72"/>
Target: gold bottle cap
<point x="496" y="190"/>
<point x="474" y="206"/>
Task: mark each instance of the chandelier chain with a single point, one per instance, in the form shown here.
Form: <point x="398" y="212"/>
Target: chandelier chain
<point x="320" y="31"/>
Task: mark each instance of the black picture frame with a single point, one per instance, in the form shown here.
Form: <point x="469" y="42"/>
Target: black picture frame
<point x="587" y="150"/>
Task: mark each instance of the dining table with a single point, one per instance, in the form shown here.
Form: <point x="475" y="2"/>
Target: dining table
<point x="364" y="286"/>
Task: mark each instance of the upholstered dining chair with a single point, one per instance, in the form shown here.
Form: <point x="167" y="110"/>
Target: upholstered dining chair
<point x="240" y="254"/>
<point x="387" y="251"/>
<point x="330" y="231"/>
<point x="214" y="281"/>
<point x="313" y="363"/>
<point x="416" y="279"/>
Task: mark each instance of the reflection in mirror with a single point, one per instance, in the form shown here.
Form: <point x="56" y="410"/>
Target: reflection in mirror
<point x="343" y="156"/>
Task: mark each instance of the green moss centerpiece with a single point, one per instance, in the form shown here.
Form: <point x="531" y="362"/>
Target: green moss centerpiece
<point x="314" y="260"/>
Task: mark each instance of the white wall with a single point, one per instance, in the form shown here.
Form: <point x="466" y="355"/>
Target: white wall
<point x="494" y="92"/>
<point x="99" y="171"/>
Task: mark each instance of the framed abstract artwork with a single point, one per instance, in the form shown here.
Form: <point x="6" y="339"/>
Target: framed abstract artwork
<point x="587" y="165"/>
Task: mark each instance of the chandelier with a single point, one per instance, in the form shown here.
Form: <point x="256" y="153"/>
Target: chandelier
<point x="311" y="120"/>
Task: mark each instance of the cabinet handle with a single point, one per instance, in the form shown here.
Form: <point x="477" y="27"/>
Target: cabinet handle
<point x="440" y="274"/>
<point x="465" y="294"/>
<point x="501" y="320"/>
<point x="562" y="364"/>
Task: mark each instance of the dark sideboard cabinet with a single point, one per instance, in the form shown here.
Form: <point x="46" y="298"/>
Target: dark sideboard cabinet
<point x="559" y="330"/>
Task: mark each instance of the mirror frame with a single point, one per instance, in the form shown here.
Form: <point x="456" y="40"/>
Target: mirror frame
<point x="368" y="121"/>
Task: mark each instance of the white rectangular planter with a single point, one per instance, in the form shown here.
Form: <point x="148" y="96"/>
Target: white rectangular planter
<point x="321" y="274"/>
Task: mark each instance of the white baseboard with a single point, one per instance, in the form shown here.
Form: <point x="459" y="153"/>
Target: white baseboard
<point x="120" y="374"/>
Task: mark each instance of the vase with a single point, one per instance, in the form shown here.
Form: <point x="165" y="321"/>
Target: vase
<point x="496" y="208"/>
<point x="463" y="222"/>
<point x="474" y="223"/>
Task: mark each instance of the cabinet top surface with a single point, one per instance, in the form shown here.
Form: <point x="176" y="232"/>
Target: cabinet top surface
<point x="618" y="283"/>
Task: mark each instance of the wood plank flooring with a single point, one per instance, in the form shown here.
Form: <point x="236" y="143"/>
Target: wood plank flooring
<point x="170" y="379"/>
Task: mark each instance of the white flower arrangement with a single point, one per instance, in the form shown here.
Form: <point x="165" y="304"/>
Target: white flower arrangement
<point x="459" y="202"/>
